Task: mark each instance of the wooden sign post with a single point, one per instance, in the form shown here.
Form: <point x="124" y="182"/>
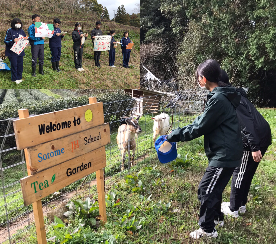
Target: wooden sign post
<point x="61" y="148"/>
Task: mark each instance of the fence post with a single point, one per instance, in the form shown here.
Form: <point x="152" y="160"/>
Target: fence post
<point x="100" y="182"/>
<point x="37" y="206"/>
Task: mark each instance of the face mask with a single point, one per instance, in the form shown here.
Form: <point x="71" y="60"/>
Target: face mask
<point x="79" y="28"/>
<point x="17" y="26"/>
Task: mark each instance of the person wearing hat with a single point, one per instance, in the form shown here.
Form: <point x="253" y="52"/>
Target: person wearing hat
<point x="222" y="142"/>
<point x="77" y="35"/>
<point x="37" y="47"/>
<point x="97" y="32"/>
<point x="15" y="59"/>
<point x="55" y="45"/>
<point x="256" y="137"/>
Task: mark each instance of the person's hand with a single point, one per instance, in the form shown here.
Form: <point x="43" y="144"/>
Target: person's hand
<point x="16" y="39"/>
<point x="257" y="156"/>
<point x="86" y="35"/>
<point x="26" y="38"/>
<point x="93" y="37"/>
<point x="43" y="37"/>
<point x="58" y="34"/>
<point x="81" y="35"/>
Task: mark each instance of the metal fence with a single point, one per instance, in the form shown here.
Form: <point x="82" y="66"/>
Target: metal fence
<point x="16" y="219"/>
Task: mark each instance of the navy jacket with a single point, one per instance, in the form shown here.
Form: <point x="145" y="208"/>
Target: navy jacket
<point x="124" y="42"/>
<point x="77" y="39"/>
<point x="220" y="126"/>
<point x="55" y="41"/>
<point x="34" y="40"/>
<point x="9" y="40"/>
<point x="111" y="43"/>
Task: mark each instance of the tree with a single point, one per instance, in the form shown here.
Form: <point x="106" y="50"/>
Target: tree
<point x="105" y="14"/>
<point x="122" y="16"/>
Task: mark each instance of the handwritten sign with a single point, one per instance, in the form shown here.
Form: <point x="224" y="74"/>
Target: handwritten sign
<point x="48" y="181"/>
<point x="44" y="30"/>
<point x="19" y="46"/>
<point x="102" y="43"/>
<point x="54" y="152"/>
<point x="38" y="129"/>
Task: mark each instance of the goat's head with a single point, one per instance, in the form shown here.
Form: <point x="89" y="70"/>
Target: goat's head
<point x="133" y="122"/>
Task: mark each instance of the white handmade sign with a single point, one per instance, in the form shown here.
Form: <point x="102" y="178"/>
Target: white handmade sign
<point x="44" y="30"/>
<point x="19" y="46"/>
<point x="102" y="43"/>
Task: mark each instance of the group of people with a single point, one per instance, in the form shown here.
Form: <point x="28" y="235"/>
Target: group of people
<point x="37" y="47"/>
<point x="236" y="137"/>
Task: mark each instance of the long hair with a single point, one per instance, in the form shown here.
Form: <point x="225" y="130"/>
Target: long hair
<point x="16" y="21"/>
<point x="210" y="69"/>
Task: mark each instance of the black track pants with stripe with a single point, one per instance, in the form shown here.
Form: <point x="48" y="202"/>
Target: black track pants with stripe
<point x="210" y="191"/>
<point x="242" y="178"/>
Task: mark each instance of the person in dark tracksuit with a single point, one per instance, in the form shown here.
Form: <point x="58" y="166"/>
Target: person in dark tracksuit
<point x="222" y="142"/>
<point x="256" y="136"/>
<point x="77" y="35"/>
<point x="15" y="59"/>
<point x="97" y="32"/>
<point x="126" y="52"/>
<point x="112" y="50"/>
<point x="37" y="47"/>
<point x="55" y="45"/>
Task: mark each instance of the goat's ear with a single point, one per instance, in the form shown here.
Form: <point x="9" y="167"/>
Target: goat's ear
<point x="138" y="117"/>
<point x="152" y="118"/>
<point x="129" y="121"/>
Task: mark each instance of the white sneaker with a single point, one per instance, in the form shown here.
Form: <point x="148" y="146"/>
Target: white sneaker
<point x="200" y="233"/>
<point x="18" y="81"/>
<point x="113" y="66"/>
<point x="242" y="209"/>
<point x="219" y="223"/>
<point x="225" y="208"/>
<point x="79" y="69"/>
<point x="82" y="69"/>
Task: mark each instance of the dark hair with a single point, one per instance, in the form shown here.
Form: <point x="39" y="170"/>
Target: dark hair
<point x="98" y="23"/>
<point x="34" y="16"/>
<point x="125" y="33"/>
<point x="77" y="24"/>
<point x="210" y="69"/>
<point x="223" y="79"/>
<point x="57" y="20"/>
<point x="16" y="21"/>
<point x="112" y="32"/>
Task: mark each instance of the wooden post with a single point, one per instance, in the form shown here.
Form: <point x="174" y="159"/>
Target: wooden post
<point x="100" y="183"/>
<point x="37" y="206"/>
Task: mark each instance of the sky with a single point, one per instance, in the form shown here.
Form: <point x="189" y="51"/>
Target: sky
<point x="112" y="5"/>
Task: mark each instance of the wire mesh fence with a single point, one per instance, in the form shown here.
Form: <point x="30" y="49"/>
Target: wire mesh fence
<point x="15" y="218"/>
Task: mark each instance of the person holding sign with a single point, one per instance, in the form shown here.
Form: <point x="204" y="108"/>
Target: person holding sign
<point x="77" y="36"/>
<point x="16" y="60"/>
<point x="112" y="50"/>
<point x="55" y="45"/>
<point x="37" y="47"/>
<point x="94" y="33"/>
<point x="126" y="52"/>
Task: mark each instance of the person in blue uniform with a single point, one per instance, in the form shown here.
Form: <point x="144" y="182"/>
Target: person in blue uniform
<point x="112" y="49"/>
<point x="37" y="47"/>
<point x="55" y="45"/>
<point x="15" y="59"/>
<point x="126" y="52"/>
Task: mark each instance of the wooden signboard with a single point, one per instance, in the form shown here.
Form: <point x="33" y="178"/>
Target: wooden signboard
<point x="44" y="183"/>
<point x="50" y="165"/>
<point x="38" y="129"/>
<point x="54" y="152"/>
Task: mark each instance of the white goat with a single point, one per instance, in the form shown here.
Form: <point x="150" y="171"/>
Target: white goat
<point x="127" y="132"/>
<point x="161" y="125"/>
